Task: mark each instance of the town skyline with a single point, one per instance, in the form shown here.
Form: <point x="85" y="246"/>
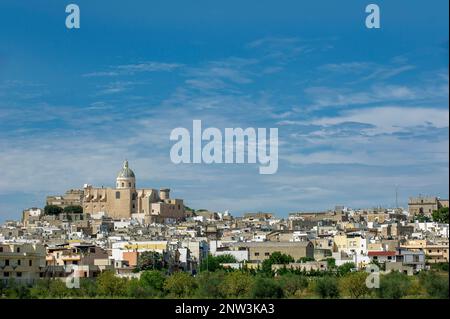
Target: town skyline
<point x="359" y="112"/>
<point x="86" y="186"/>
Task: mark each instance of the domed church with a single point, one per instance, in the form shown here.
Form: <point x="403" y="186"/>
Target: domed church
<point x="125" y="201"/>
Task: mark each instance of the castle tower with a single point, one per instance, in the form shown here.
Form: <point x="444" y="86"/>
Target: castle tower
<point x="126" y="178"/>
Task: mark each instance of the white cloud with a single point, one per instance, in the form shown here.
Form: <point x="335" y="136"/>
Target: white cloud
<point x="390" y="119"/>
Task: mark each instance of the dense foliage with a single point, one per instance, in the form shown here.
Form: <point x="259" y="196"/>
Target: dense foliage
<point x="217" y="282"/>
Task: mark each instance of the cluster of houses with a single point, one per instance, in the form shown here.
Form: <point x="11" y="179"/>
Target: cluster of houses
<point x="42" y="246"/>
<point x="98" y="229"/>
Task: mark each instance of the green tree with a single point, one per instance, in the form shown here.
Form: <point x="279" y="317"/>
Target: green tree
<point x="394" y="285"/>
<point x="212" y="263"/>
<point x="327" y="287"/>
<point x="88" y="287"/>
<point x="422" y="218"/>
<point x="209" y="284"/>
<point x="331" y="263"/>
<point x="346" y="268"/>
<point x="135" y="289"/>
<point x="153" y="282"/>
<point x="435" y="284"/>
<point x="293" y="283"/>
<point x="354" y="285"/>
<point x="180" y="284"/>
<point x="226" y="259"/>
<point x="305" y="259"/>
<point x="276" y="258"/>
<point x="58" y="289"/>
<point x="264" y="287"/>
<point x="441" y="215"/>
<point x="75" y="209"/>
<point x="237" y="284"/>
<point x="150" y="260"/>
<point x="110" y="285"/>
<point x="15" y="290"/>
<point x="52" y="210"/>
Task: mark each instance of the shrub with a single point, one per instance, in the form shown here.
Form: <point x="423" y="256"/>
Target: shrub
<point x="180" y="284"/>
<point x="436" y="285"/>
<point x="327" y="287"/>
<point x="52" y="210"/>
<point x="274" y="259"/>
<point x="237" y="284"/>
<point x="153" y="280"/>
<point x="354" y="285"/>
<point x="110" y="285"/>
<point x="264" y="287"/>
<point x="209" y="284"/>
<point x="292" y="284"/>
<point x="394" y="285"/>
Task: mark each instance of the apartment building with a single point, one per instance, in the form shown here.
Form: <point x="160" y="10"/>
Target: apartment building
<point x="24" y="262"/>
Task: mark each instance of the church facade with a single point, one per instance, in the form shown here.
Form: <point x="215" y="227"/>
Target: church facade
<point x="126" y="201"/>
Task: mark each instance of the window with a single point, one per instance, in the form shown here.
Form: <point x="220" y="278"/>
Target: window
<point x="6" y="274"/>
<point x="7" y="262"/>
<point x="129" y="184"/>
<point x="30" y="263"/>
<point x="18" y="249"/>
<point x="117" y="195"/>
<point x="256" y="254"/>
<point x="266" y="254"/>
<point x="19" y="274"/>
<point x="18" y="262"/>
<point x="1" y="249"/>
<point x="123" y="184"/>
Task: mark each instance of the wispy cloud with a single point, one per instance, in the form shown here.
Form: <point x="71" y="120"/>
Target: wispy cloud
<point x="366" y="70"/>
<point x="133" y="68"/>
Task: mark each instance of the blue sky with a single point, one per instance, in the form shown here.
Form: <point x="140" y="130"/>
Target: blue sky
<point x="359" y="112"/>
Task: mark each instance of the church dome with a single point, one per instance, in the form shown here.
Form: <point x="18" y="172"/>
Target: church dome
<point x="126" y="172"/>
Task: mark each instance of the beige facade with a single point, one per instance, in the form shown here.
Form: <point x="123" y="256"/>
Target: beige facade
<point x="73" y="197"/>
<point x="125" y="200"/>
<point x="425" y="205"/>
<point x="21" y="262"/>
<point x="259" y="252"/>
<point x="434" y="252"/>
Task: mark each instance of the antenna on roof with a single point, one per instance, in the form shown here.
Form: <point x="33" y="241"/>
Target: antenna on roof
<point x="396" y="196"/>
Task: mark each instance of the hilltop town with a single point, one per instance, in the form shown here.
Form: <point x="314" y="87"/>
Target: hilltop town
<point x="125" y="231"/>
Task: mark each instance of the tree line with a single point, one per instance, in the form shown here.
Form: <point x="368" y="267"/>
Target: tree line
<point x="214" y="281"/>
